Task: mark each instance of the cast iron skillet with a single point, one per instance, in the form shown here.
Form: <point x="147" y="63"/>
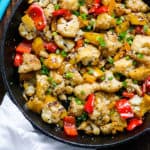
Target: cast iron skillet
<point x="9" y="40"/>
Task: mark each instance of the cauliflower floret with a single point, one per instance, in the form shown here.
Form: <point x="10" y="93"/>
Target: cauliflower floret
<point x="75" y="108"/>
<point x="27" y="28"/>
<point x="69" y="4"/>
<point x="65" y="44"/>
<point x="89" y="128"/>
<point x="88" y="54"/>
<point x="123" y="66"/>
<point x="68" y="28"/>
<point x="53" y="112"/>
<point x="30" y="63"/>
<point x="141" y="44"/>
<point x="49" y="10"/>
<point x="112" y="44"/>
<point x="137" y="5"/>
<point x="110" y="84"/>
<point x="29" y="88"/>
<point x="105" y="21"/>
<point x="56" y="77"/>
<point x="140" y="73"/>
<point x="82" y="91"/>
<point x="42" y="85"/>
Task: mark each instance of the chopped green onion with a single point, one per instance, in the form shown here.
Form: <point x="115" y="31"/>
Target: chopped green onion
<point x="56" y="7"/>
<point x="54" y="33"/>
<point x="124" y="84"/>
<point x="83" y="16"/>
<point x="127" y="57"/>
<point x="122" y="36"/>
<point x="82" y="92"/>
<point x="63" y="53"/>
<point x="90" y="72"/>
<point x="101" y="41"/>
<point x="44" y="70"/>
<point x="130" y="40"/>
<point x="110" y="78"/>
<point x="110" y="60"/>
<point x="77" y="13"/>
<point x="119" y="20"/>
<point x="81" y="2"/>
<point x="57" y="51"/>
<point x="135" y="81"/>
<point x="82" y="118"/>
<point x="69" y="75"/>
<point x="102" y="78"/>
<point x="140" y="55"/>
<point x="48" y="91"/>
<point x="102" y="68"/>
<point x="134" y="63"/>
<point x="86" y="41"/>
<point x="145" y="28"/>
<point x="78" y="101"/>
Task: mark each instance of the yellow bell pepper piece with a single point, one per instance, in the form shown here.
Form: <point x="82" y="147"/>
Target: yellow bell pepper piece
<point x="92" y="37"/>
<point x="122" y="27"/>
<point x="111" y="7"/>
<point x="89" y="78"/>
<point x="137" y="19"/>
<point x="83" y="22"/>
<point x="38" y="45"/>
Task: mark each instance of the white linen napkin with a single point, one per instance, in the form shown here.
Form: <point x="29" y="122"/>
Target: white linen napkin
<point x="16" y="133"/>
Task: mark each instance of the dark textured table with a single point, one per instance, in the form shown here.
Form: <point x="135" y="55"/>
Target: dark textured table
<point x="141" y="143"/>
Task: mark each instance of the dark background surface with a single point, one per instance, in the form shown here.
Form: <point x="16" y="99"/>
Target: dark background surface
<point x="141" y="143"/>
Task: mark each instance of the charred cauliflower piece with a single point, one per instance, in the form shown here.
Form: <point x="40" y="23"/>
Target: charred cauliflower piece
<point x="137" y="5"/>
<point x="112" y="44"/>
<point x="53" y="111"/>
<point x="140" y="73"/>
<point x="69" y="4"/>
<point x="88" y="54"/>
<point x="110" y="84"/>
<point x="83" y="90"/>
<point x="27" y="28"/>
<point x="29" y="88"/>
<point x="30" y="63"/>
<point x="141" y="44"/>
<point x="75" y="108"/>
<point x="105" y="21"/>
<point x="68" y="28"/>
<point x="123" y="66"/>
<point x="42" y="85"/>
<point x="89" y="128"/>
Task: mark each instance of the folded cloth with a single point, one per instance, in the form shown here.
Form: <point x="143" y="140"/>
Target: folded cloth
<point x="3" y="5"/>
<point x="16" y="133"/>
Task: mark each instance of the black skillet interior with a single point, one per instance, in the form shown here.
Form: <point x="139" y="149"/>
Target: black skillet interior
<point x="10" y="39"/>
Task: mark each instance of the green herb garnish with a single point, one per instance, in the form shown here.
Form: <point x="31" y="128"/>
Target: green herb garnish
<point x="69" y="75"/>
<point x="84" y="16"/>
<point x="77" y="13"/>
<point x="78" y="101"/>
<point x="124" y="84"/>
<point x="122" y="36"/>
<point x="119" y="20"/>
<point x="63" y="53"/>
<point x="81" y="2"/>
<point x="110" y="78"/>
<point x="127" y="57"/>
<point x="101" y="41"/>
<point x="145" y="28"/>
<point x="90" y="72"/>
<point x="56" y="7"/>
<point x="110" y="60"/>
<point x="140" y="55"/>
<point x="130" y="40"/>
<point x="44" y="70"/>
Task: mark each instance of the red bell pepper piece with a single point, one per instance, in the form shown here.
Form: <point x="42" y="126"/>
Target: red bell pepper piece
<point x="69" y="126"/>
<point x="124" y="108"/>
<point x="50" y="47"/>
<point x="128" y="95"/>
<point x="146" y="86"/>
<point x="24" y="47"/>
<point x="18" y="60"/>
<point x="133" y="123"/>
<point x="62" y="12"/>
<point x="139" y="30"/>
<point x="100" y="10"/>
<point x="79" y="43"/>
<point x="97" y="3"/>
<point x="89" y="105"/>
<point x="37" y="14"/>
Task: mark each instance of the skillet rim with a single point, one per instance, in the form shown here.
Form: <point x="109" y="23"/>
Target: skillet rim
<point x="9" y="91"/>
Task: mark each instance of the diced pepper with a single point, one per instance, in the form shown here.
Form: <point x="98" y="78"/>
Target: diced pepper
<point x="111" y="7"/>
<point x="37" y="14"/>
<point x="18" y="60"/>
<point x="133" y="123"/>
<point x="50" y="47"/>
<point x="79" y="43"/>
<point x="93" y="37"/>
<point x="128" y="95"/>
<point x="146" y="86"/>
<point x="62" y="12"/>
<point x="89" y="78"/>
<point x="124" y="108"/>
<point x="97" y="3"/>
<point x="69" y="126"/>
<point x="100" y="10"/>
<point x="38" y="45"/>
<point x="24" y="47"/>
<point x="89" y="105"/>
<point x="139" y="30"/>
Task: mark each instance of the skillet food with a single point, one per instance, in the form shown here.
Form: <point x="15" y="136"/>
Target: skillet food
<point x="84" y="65"/>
